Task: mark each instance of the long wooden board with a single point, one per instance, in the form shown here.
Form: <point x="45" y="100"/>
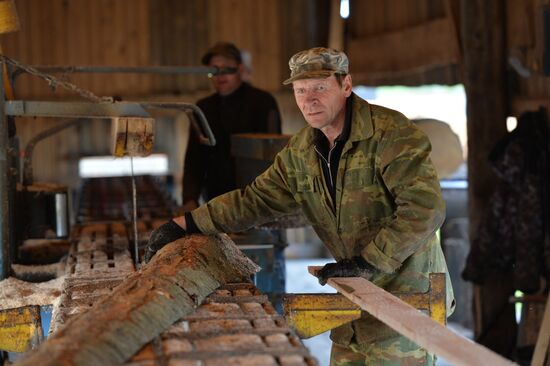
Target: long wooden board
<point x="415" y="325"/>
<point x="541" y="356"/>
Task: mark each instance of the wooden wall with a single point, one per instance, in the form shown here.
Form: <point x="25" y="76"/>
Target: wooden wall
<point x="82" y="32"/>
<point x="404" y="42"/>
<point x="529" y="83"/>
<point x="159" y="32"/>
<point x="148" y="33"/>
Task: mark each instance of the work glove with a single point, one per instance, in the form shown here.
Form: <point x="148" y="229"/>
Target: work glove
<point x="164" y="234"/>
<point x="354" y="267"/>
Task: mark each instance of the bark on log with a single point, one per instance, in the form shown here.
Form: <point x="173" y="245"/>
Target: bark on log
<point x="172" y="285"/>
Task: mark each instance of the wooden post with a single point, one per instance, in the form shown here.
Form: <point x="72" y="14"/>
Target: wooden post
<point x="173" y="284"/>
<point x="483" y="26"/>
<point x="336" y="27"/>
<point x="483" y="35"/>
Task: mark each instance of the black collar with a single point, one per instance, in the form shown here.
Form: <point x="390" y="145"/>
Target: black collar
<point x="319" y="138"/>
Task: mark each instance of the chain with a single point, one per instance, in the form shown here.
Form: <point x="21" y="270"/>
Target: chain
<point x="53" y="82"/>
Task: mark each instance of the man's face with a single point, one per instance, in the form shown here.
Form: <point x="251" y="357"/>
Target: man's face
<point x="322" y="101"/>
<point x="228" y="83"/>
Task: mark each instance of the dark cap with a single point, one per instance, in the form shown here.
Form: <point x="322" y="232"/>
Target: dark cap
<point x="318" y="62"/>
<point x="223" y="49"/>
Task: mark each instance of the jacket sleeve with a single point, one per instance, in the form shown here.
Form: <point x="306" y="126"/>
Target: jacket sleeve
<point x="266" y="198"/>
<point x="410" y="177"/>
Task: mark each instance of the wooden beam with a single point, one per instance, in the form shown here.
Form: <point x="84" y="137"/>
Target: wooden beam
<point x="173" y="284"/>
<point x="485" y="82"/>
<point x="415" y="325"/>
<point x="421" y="47"/>
<point x="336" y="27"/>
<point x="522" y="105"/>
<point x="541" y="356"/>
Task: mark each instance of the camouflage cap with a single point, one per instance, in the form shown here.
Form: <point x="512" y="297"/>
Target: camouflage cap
<point x="318" y="62"/>
<point x="226" y="49"/>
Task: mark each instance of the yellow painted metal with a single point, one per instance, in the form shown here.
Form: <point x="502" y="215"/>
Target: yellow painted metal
<point x="20" y="329"/>
<point x="313" y="314"/>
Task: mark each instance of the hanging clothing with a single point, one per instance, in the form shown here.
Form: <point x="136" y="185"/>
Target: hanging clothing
<point x="512" y="234"/>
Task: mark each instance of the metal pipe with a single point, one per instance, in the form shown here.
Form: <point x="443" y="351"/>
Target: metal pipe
<point x="4" y="188"/>
<point x="171" y="70"/>
<point x="106" y="110"/>
<point x="29" y="149"/>
<point x="206" y="136"/>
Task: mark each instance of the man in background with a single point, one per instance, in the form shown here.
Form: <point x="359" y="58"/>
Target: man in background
<point x="235" y="107"/>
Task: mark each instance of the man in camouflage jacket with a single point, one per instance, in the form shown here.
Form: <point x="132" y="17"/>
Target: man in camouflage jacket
<point x="362" y="176"/>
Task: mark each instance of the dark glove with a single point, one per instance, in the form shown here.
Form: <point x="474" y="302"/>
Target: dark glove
<point x="354" y="267"/>
<point x="164" y="234"/>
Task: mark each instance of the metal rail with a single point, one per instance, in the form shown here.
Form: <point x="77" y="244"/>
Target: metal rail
<point x="211" y="71"/>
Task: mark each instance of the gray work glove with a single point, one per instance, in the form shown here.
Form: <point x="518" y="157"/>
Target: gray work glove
<point x="164" y="234"/>
<point x="354" y="267"/>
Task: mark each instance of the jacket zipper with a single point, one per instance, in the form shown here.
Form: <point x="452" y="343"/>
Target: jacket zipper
<point x="327" y="162"/>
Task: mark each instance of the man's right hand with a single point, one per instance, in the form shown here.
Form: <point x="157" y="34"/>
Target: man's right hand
<point x="353" y="267"/>
<point x="164" y="234"/>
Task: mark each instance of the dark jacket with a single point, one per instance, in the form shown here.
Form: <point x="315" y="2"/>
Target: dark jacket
<point x="511" y="237"/>
<point x="210" y="169"/>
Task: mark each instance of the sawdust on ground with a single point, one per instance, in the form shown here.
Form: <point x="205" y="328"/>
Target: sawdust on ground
<point x="15" y="293"/>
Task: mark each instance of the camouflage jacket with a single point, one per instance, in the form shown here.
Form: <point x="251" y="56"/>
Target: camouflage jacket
<point x="388" y="204"/>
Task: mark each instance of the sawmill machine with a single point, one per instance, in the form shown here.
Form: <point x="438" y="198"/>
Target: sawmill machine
<point x="43" y="209"/>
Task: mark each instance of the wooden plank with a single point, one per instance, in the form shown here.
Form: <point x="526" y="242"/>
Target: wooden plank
<point x="178" y="278"/>
<point x="541" y="356"/>
<point x="428" y="45"/>
<point x="521" y="105"/>
<point x="415" y="325"/>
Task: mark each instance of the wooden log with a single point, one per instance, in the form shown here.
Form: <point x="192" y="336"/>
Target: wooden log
<point x="173" y="284"/>
<point x="415" y="325"/>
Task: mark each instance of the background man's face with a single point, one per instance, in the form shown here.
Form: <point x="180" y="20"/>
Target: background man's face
<point x="228" y="83"/>
<point x="322" y="101"/>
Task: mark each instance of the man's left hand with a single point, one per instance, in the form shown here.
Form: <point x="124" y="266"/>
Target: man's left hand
<point x="354" y="267"/>
<point x="164" y="234"/>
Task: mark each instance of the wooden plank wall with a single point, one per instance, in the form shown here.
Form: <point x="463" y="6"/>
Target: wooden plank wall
<point x="403" y="42"/>
<point x="82" y="32"/>
<point x="157" y="32"/>
<point x="144" y="33"/>
<point x="531" y="87"/>
<point x="251" y="23"/>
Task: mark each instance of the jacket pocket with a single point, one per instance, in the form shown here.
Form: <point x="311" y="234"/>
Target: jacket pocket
<point x="304" y="183"/>
<point x="357" y="178"/>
